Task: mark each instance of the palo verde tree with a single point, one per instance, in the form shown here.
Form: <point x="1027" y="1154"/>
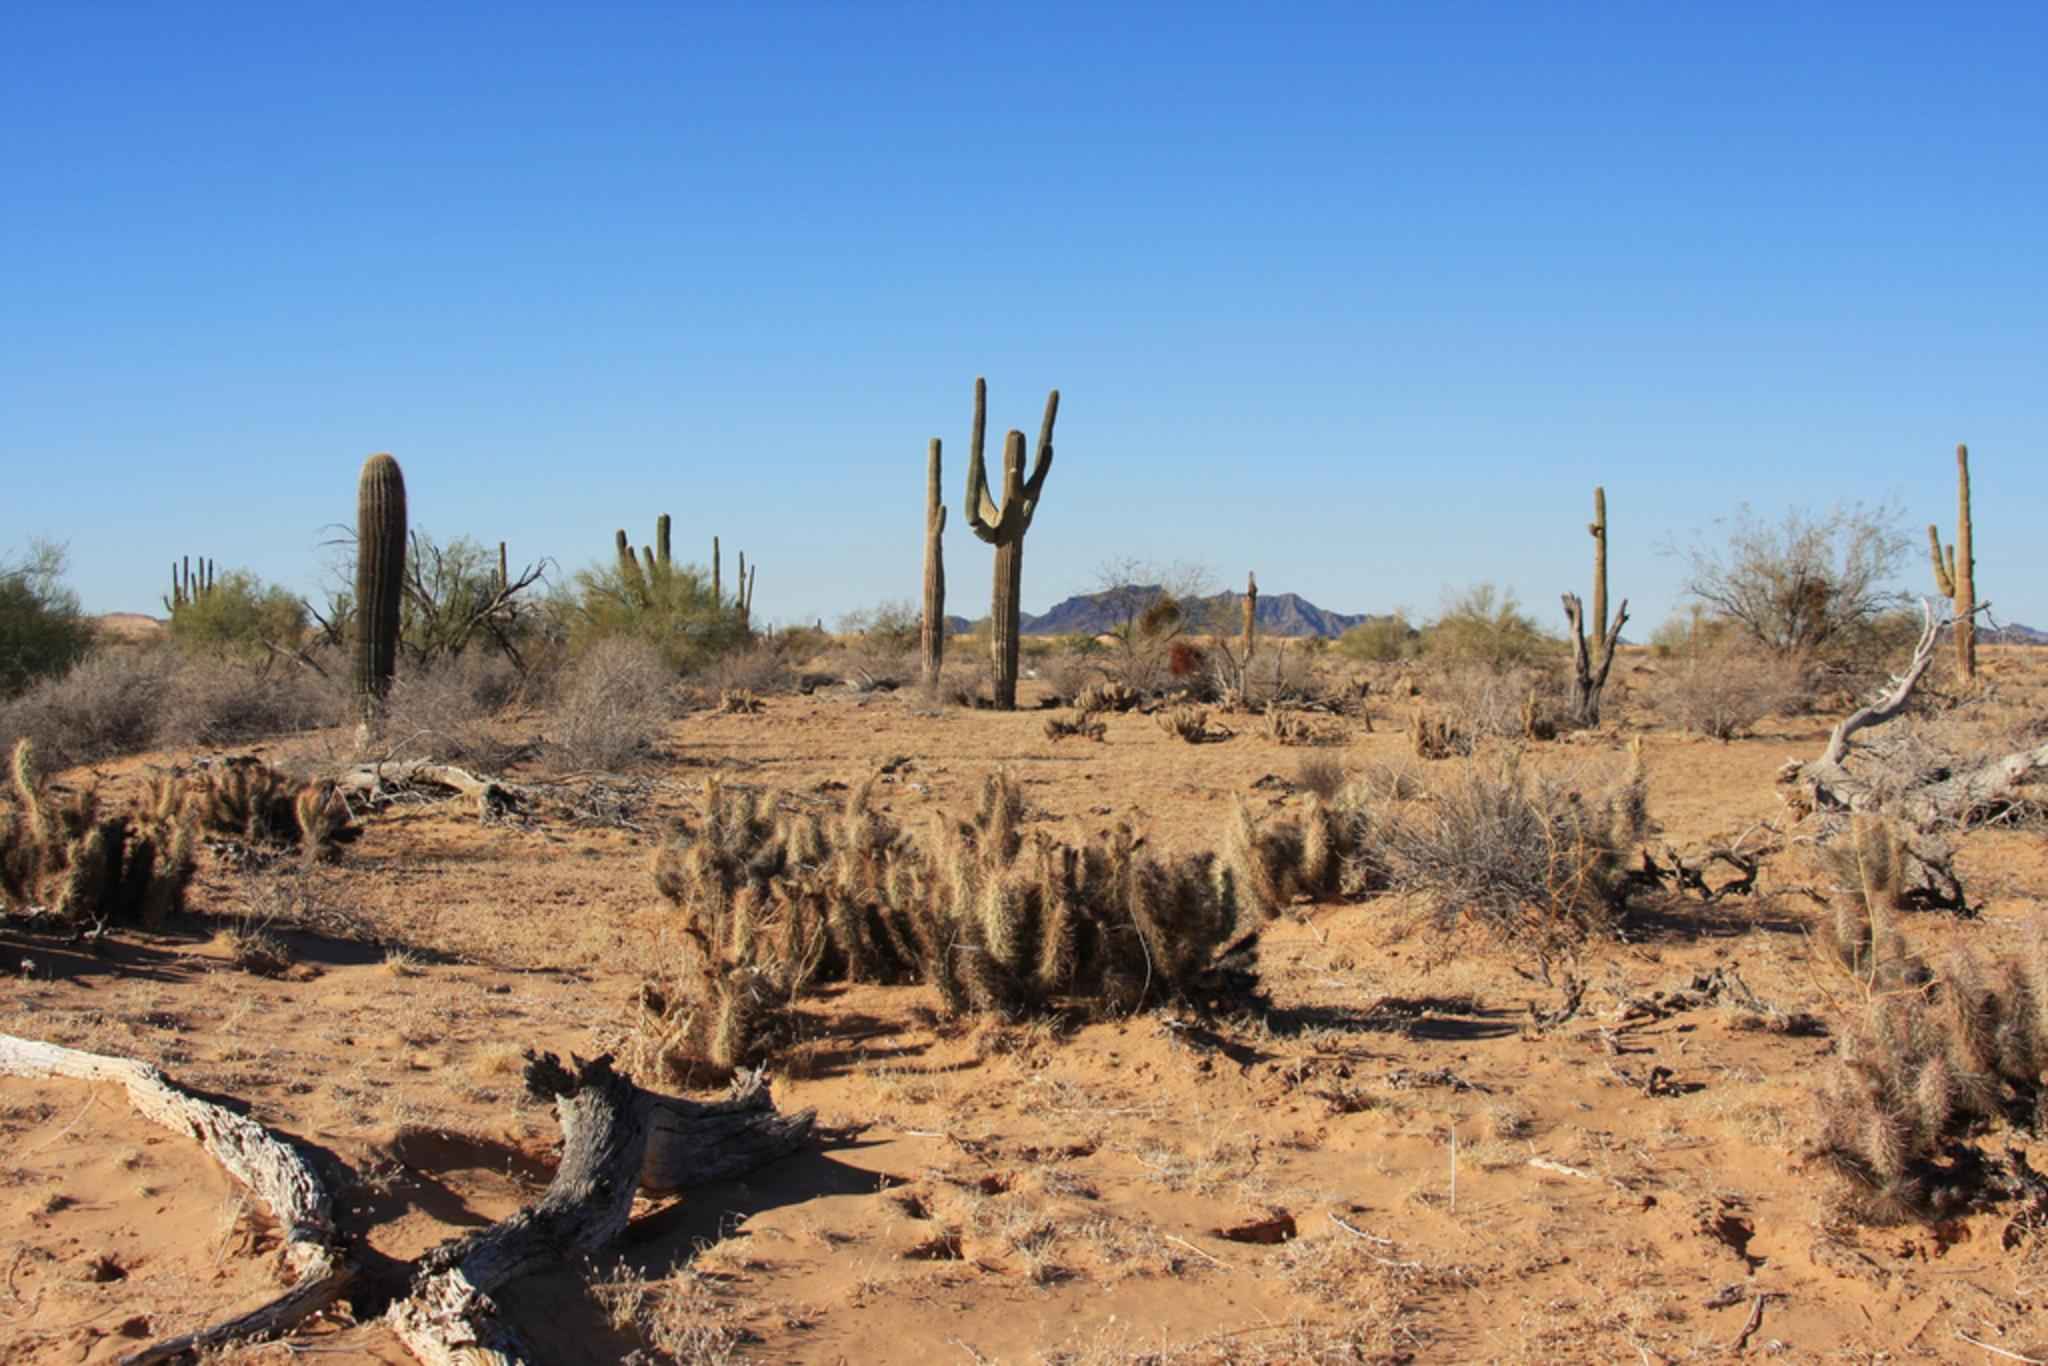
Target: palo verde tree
<point x="1003" y="526"/>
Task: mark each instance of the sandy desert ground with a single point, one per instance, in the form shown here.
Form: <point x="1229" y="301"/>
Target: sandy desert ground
<point x="1391" y="1164"/>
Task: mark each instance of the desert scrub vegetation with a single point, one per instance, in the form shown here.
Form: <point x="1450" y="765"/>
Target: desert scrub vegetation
<point x="1723" y="689"/>
<point x="1381" y="640"/>
<point x="1535" y="859"/>
<point x="1930" y="1058"/>
<point x="64" y="858"/>
<point x="1488" y="628"/>
<point x="610" y="706"/>
<point x="238" y="614"/>
<point x="42" y="630"/>
<point x="454" y="710"/>
<point x="776" y="896"/>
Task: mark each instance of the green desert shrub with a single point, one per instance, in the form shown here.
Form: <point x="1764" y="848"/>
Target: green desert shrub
<point x="240" y="615"/>
<point x="1488" y="628"/>
<point x="674" y="612"/>
<point x="1381" y="640"/>
<point x="42" y="631"/>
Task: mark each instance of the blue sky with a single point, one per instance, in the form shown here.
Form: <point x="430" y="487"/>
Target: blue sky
<point x="1363" y="297"/>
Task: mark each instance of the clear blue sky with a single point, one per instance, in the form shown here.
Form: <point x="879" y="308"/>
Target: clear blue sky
<point x="1364" y="297"/>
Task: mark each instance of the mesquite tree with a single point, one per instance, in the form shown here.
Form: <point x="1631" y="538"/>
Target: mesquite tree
<point x="933" y="637"/>
<point x="1587" y="677"/>
<point x="1004" y="527"/>
<point x="1957" y="577"/>
<point x="380" y="580"/>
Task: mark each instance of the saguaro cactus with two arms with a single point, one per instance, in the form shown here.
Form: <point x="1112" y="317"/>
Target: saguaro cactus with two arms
<point x="1003" y="526"/>
<point x="1957" y="578"/>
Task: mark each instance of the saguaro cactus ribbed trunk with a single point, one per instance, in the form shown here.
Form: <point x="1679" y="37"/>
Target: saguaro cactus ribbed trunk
<point x="380" y="575"/>
<point x="1004" y="528"/>
<point x="933" y="637"/>
<point x="1957" y="579"/>
<point x="1598" y="528"/>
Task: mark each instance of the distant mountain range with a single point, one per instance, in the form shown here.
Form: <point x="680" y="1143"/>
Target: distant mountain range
<point x="1094" y="614"/>
<point x="2013" y="634"/>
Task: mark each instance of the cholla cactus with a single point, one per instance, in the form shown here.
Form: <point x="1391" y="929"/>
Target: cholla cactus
<point x="62" y="857"/>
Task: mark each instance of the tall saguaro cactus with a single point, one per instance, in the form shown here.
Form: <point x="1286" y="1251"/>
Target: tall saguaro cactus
<point x="1251" y="617"/>
<point x="1589" y="676"/>
<point x="1957" y="578"/>
<point x="1597" y="528"/>
<point x="1004" y="526"/>
<point x="380" y="575"/>
<point x="933" y="636"/>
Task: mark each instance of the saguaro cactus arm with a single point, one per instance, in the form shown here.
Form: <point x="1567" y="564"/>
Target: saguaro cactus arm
<point x="1944" y="569"/>
<point x="1020" y="495"/>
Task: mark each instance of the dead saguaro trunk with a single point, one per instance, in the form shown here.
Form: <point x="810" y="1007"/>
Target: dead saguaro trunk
<point x="616" y="1140"/>
<point x="1004" y="527"/>
<point x="1251" y="616"/>
<point x="1957" y="577"/>
<point x="1589" y="676"/>
<point x="273" y="1170"/>
<point x="933" y="636"/>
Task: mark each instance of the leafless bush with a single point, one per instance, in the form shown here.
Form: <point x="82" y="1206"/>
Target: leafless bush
<point x="1482" y="703"/>
<point x="107" y="704"/>
<point x="1535" y="858"/>
<point x="452" y="711"/>
<point x="1724" y="690"/>
<point x="1320" y="774"/>
<point x="214" y="701"/>
<point x="765" y="666"/>
<point x="612" y="706"/>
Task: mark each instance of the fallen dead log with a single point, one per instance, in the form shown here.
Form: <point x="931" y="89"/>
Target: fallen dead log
<point x="1827" y="783"/>
<point x="616" y="1140"/>
<point x="381" y="782"/>
<point x="273" y="1169"/>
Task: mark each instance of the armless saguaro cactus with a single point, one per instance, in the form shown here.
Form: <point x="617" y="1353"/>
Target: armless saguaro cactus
<point x="1004" y="527"/>
<point x="933" y="637"/>
<point x="380" y="574"/>
<point x="1957" y="578"/>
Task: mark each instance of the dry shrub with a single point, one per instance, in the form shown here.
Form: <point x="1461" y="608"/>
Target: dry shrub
<point x="212" y="701"/>
<point x="611" y="707"/>
<point x="766" y="665"/>
<point x="739" y="702"/>
<point x="1436" y="737"/>
<point x="451" y="712"/>
<point x="1536" y="859"/>
<point x="1321" y="775"/>
<point x="1294" y="728"/>
<point x="108" y="704"/>
<point x="1724" y="690"/>
<point x="1484" y="704"/>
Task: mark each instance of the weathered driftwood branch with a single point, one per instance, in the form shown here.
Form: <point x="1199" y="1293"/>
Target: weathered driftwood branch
<point x="616" y="1140"/>
<point x="1955" y="798"/>
<point x="381" y="781"/>
<point x="277" y="1172"/>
